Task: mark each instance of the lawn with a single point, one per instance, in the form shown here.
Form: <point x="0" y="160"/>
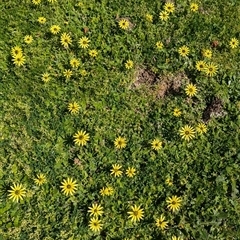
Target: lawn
<point x="119" y="120"/>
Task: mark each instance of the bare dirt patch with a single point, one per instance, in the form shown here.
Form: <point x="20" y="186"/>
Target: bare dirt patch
<point x="214" y="109"/>
<point x="159" y="85"/>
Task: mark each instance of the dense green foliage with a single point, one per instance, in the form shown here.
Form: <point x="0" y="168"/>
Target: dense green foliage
<point x="36" y="128"/>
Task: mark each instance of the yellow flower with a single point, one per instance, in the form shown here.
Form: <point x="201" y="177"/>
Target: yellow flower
<point x="124" y="24"/>
<point x="176" y="238"/>
<point x="42" y="20"/>
<point x="159" y="45"/>
<point x="83" y="72"/>
<point x="84" y="42"/>
<point x="40" y="179"/>
<point x="233" y="43"/>
<point x="116" y="170"/>
<point x="36" y="2"/>
<point x="161" y="223"/>
<point x="52" y="1"/>
<point x="193" y="7"/>
<point x="120" y="142"/>
<point x="17" y="192"/>
<point x="187" y="132"/>
<point x="207" y="53"/>
<point x="74" y="63"/>
<point x="66" y="40"/>
<point x="46" y="77"/>
<point x="211" y="69"/>
<point x="149" y="17"/>
<point x="169" y="7"/>
<point x="18" y="60"/>
<point x="183" y="51"/>
<point x="201" y="128"/>
<point x="95" y="224"/>
<point x="200" y="65"/>
<point x="169" y="181"/>
<point x="81" y="138"/>
<point x="73" y="108"/>
<point x="130" y="172"/>
<point x="16" y="51"/>
<point x="106" y="191"/>
<point x="67" y="73"/>
<point x="129" y="64"/>
<point x="156" y="144"/>
<point x="177" y="112"/>
<point x="96" y="210"/>
<point x="55" y="29"/>
<point x="174" y="203"/>
<point x="164" y="15"/>
<point x="93" y="53"/>
<point x="28" y="39"/>
<point x="68" y="186"/>
<point x="191" y="90"/>
<point x="136" y="214"/>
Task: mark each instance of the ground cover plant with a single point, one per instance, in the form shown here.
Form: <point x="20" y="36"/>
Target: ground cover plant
<point x="119" y="119"/>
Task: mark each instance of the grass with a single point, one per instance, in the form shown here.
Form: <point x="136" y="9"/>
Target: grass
<point x="37" y="129"/>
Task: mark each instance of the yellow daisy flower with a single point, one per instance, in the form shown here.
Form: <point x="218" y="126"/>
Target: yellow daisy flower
<point x="95" y="210"/>
<point x="174" y="203"/>
<point x="207" y="53"/>
<point x="201" y="128"/>
<point x="187" y="132"/>
<point x="169" y="7"/>
<point x="45" y="77"/>
<point x="84" y="42"/>
<point x="66" y="40"/>
<point x="55" y="29"/>
<point x="177" y="112"/>
<point x="183" y="51"/>
<point x="17" y="192"/>
<point x="36" y="2"/>
<point x="164" y="15"/>
<point x="120" y="142"/>
<point x="211" y="69"/>
<point x="28" y="39"/>
<point x="200" y="65"/>
<point x="131" y="172"/>
<point x="124" y="24"/>
<point x="149" y="17"/>
<point x="176" y="238"/>
<point x="161" y="223"/>
<point x="95" y="224"/>
<point x="67" y="73"/>
<point x="129" y="64"/>
<point x="136" y="214"/>
<point x="83" y="72"/>
<point x="74" y="63"/>
<point x="233" y="43"/>
<point x="40" y="179"/>
<point x="193" y="7"/>
<point x="159" y="45"/>
<point x="18" y="60"/>
<point x="169" y="181"/>
<point x="156" y="144"/>
<point x="73" y="108"/>
<point x="81" y="138"/>
<point x="16" y="51"/>
<point x="107" y="191"/>
<point x="93" y="53"/>
<point x="116" y="170"/>
<point x="42" y="20"/>
<point x="191" y="90"/>
<point x="68" y="186"/>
